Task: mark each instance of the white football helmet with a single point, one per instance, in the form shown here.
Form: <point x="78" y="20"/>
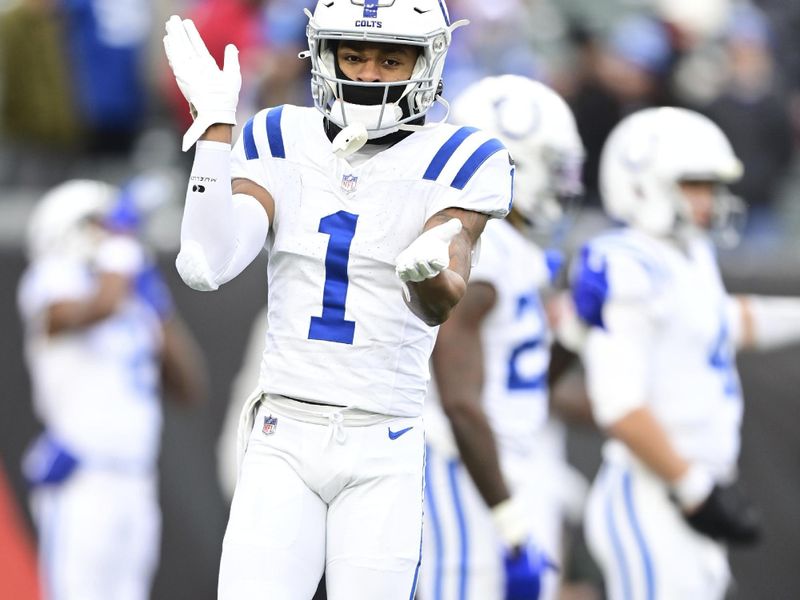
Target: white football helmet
<point x="649" y="153"/>
<point x="65" y="219"/>
<point x="539" y="130"/>
<point x="422" y="23"/>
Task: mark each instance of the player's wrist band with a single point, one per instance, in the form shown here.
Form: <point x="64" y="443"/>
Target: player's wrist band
<point x="693" y="487"/>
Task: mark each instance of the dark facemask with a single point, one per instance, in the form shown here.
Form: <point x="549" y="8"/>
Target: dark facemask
<point x="370" y="96"/>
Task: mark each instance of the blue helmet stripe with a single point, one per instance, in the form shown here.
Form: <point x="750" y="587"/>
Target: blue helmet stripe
<point x="474" y="162"/>
<point x="446" y="152"/>
<point x="274" y="134"/>
<point x="445" y="14"/>
<point x="250" y="150"/>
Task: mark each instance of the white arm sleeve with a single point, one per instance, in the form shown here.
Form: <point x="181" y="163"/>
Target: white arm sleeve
<point x="617" y="361"/>
<point x="221" y="232"/>
<point x="771" y="321"/>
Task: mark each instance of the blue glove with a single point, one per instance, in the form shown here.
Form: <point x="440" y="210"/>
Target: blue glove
<point x="152" y="289"/>
<point x="525" y="568"/>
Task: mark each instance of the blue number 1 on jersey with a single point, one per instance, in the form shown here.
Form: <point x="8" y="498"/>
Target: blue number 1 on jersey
<point x="332" y="326"/>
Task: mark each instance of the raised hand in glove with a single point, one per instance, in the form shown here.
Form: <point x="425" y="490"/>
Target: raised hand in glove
<point x="212" y="93"/>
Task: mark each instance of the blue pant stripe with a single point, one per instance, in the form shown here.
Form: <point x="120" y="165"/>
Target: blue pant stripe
<point x="421" y="521"/>
<point x="453" y="466"/>
<point x="647" y="559"/>
<point x="619" y="552"/>
<point x="436" y="526"/>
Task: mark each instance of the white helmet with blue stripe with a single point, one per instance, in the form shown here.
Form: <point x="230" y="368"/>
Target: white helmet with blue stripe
<point x="539" y="130"/>
<point x="422" y="23"/>
<point x="649" y="153"/>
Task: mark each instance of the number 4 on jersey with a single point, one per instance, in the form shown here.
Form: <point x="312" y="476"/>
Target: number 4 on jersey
<point x="332" y="326"/>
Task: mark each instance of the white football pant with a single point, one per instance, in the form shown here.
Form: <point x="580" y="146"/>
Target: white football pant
<point x="325" y="488"/>
<point x="99" y="534"/>
<point x="642" y="544"/>
<point x="462" y="552"/>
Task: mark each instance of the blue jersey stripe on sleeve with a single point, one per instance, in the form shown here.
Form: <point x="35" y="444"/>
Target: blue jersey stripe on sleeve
<point x="474" y="162"/>
<point x="446" y="152"/>
<point x="274" y="134"/>
<point x="250" y="150"/>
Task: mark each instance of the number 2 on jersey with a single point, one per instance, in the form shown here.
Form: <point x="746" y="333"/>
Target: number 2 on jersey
<point x="332" y="326"/>
<point x="519" y="378"/>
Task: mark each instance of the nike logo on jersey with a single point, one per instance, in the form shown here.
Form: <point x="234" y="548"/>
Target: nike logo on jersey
<point x="393" y="435"/>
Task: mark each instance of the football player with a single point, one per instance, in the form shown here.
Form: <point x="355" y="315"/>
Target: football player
<point x="660" y="360"/>
<point x="100" y="334"/>
<point x="369" y="216"/>
<point x="493" y="498"/>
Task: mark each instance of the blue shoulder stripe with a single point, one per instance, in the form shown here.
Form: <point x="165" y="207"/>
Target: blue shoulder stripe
<point x="274" y="133"/>
<point x="446" y="152"/>
<point x="250" y="150"/>
<point x="474" y="162"/>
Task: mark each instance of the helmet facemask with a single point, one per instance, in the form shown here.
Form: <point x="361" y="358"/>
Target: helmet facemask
<point x="548" y="190"/>
<point x="727" y="218"/>
<point x="391" y="104"/>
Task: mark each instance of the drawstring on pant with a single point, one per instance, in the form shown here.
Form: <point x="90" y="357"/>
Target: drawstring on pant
<point x="336" y="429"/>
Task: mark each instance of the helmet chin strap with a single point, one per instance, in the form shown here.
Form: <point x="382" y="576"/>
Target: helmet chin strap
<point x="440" y="100"/>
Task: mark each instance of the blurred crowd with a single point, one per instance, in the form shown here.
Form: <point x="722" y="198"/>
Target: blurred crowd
<point x="85" y="88"/>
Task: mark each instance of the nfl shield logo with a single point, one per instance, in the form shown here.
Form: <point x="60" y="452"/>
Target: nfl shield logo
<point x="270" y="424"/>
<point x="349" y="183"/>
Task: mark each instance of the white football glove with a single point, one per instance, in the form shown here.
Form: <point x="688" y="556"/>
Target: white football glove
<point x="510" y="517"/>
<point x="429" y="254"/>
<point x="212" y="93"/>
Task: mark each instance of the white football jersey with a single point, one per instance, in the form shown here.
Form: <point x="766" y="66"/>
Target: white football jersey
<point x="515" y="338"/>
<point x="686" y="371"/>
<point x="95" y="389"/>
<point x="339" y="331"/>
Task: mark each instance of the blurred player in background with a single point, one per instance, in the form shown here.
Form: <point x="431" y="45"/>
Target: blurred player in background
<point x="494" y="495"/>
<point x="660" y="360"/>
<point x="370" y="217"/>
<point x="101" y="337"/>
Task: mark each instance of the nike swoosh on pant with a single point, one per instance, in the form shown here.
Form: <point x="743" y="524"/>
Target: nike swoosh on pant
<point x="393" y="435"/>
